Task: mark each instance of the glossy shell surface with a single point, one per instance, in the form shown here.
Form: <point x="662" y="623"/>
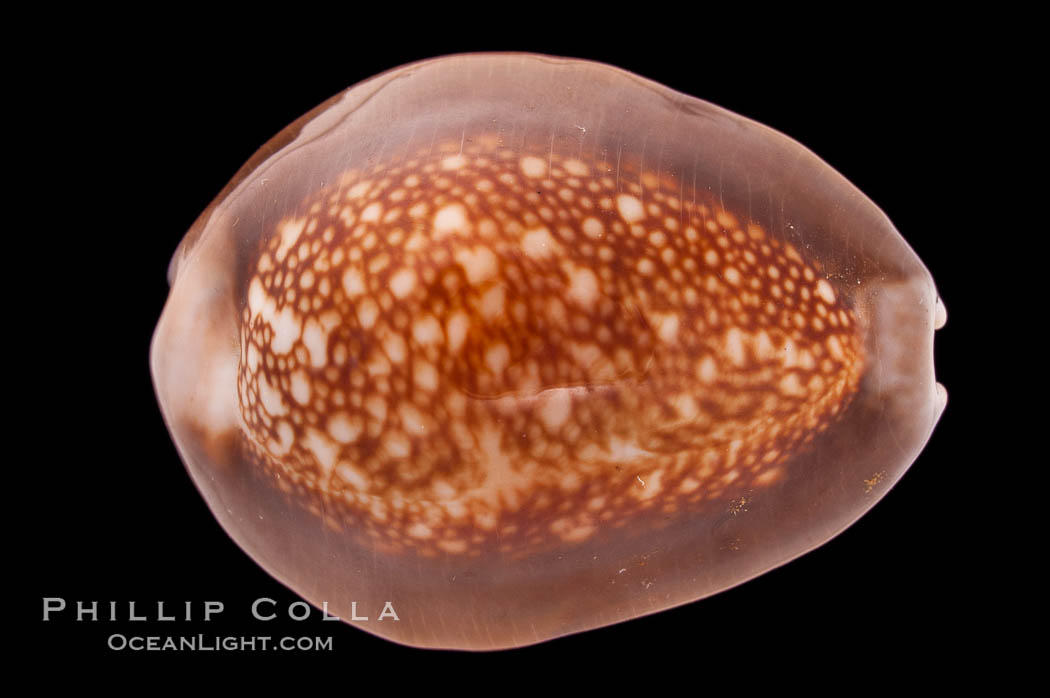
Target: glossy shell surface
<point x="525" y="346"/>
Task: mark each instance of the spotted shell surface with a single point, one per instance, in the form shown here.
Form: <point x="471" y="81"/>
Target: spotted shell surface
<point x="526" y="346"/>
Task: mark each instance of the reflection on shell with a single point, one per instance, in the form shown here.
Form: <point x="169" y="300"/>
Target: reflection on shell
<point x="522" y="333"/>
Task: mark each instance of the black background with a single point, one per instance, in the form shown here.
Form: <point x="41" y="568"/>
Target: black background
<point x="145" y="127"/>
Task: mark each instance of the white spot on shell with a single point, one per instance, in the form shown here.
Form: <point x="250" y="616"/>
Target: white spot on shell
<point x="402" y="283"/>
<point x="583" y="286"/>
<point x="453" y="162"/>
<point x="300" y="386"/>
<point x="497" y="357"/>
<point x="353" y="282"/>
<point x="825" y="291"/>
<point x="290" y="231"/>
<point x="555" y="408"/>
<point x="372" y="212"/>
<point x="456" y="330"/>
<point x="451" y="220"/>
<point x="322" y="447"/>
<point x="344" y="428"/>
<point x="593" y="228"/>
<point x="538" y="244"/>
<point x="479" y="264"/>
<point x="532" y="166"/>
<point x="630" y="208"/>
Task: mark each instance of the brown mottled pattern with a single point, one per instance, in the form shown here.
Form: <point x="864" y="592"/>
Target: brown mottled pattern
<point x="475" y="346"/>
